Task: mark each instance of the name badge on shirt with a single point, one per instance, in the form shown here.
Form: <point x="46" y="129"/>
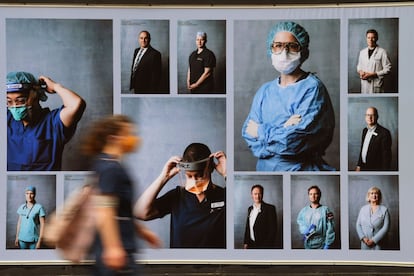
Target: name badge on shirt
<point x="218" y="204"/>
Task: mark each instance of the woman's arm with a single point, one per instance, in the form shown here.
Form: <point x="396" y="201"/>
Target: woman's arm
<point x="113" y="255"/>
<point x="146" y="234"/>
<point x="384" y="229"/>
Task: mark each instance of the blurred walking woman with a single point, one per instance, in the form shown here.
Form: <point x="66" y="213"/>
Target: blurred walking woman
<point x="373" y="221"/>
<point x="107" y="142"/>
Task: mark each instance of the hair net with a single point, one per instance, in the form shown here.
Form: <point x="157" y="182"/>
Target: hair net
<point x="23" y="82"/>
<point x="296" y="30"/>
<point x="31" y="189"/>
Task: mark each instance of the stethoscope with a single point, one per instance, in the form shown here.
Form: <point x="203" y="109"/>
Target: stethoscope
<point x="30" y="210"/>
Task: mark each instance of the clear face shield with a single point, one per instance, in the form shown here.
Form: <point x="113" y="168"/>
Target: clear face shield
<point x="195" y="176"/>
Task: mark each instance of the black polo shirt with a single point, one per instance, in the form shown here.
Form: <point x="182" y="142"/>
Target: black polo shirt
<point x="195" y="224"/>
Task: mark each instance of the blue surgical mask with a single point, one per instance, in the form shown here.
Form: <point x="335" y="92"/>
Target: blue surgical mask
<point x="18" y="112"/>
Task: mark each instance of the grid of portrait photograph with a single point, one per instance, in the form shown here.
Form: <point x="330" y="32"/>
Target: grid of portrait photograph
<point x="261" y="135"/>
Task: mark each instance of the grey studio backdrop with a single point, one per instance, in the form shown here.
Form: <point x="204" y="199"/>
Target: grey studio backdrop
<point x="252" y="70"/>
<point x="168" y="126"/>
<point x="160" y="40"/>
<point x="16" y="185"/>
<point x="357" y="190"/>
<point x="330" y="189"/>
<point x="77" y="54"/>
<point x="388" y="35"/>
<point x="387" y="117"/>
<point x="186" y="44"/>
<point x="272" y="194"/>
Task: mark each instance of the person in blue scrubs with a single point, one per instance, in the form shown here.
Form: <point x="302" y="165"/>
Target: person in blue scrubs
<point x="36" y="136"/>
<point x="316" y="222"/>
<point x="31" y="222"/>
<point x="198" y="207"/>
<point x="291" y="120"/>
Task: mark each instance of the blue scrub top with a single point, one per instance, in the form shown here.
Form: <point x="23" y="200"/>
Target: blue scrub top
<point x="38" y="146"/>
<point x="297" y="147"/>
<point x="323" y="219"/>
<point x="29" y="222"/>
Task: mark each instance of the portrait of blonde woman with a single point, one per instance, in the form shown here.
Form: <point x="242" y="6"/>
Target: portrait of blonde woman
<point x="373" y="221"/>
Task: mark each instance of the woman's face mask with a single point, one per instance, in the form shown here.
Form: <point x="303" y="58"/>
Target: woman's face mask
<point x="196" y="174"/>
<point x="19" y="112"/>
<point x="196" y="181"/>
<point x="196" y="186"/>
<point x="131" y="143"/>
<point x="286" y="62"/>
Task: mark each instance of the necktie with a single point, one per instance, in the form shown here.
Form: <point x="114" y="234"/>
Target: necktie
<point x="138" y="58"/>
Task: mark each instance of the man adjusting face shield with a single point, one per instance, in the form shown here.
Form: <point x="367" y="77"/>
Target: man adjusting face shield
<point x="197" y="206"/>
<point x="197" y="175"/>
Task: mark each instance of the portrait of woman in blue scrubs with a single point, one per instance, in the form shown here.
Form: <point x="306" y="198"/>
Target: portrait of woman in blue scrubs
<point x="291" y="120"/>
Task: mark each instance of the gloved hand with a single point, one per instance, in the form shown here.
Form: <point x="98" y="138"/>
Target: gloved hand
<point x="293" y="120"/>
<point x="252" y="128"/>
<point x="311" y="230"/>
<point x="326" y="246"/>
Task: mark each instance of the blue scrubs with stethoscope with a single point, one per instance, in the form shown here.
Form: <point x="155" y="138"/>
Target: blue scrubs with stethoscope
<point x="29" y="225"/>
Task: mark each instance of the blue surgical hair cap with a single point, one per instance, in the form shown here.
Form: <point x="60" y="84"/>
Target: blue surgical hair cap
<point x="296" y="30"/>
<point x="20" y="81"/>
<point x="31" y="189"/>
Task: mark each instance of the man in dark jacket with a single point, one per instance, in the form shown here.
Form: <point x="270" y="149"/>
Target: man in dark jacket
<point x="375" y="154"/>
<point x="146" y="67"/>
<point x="261" y="224"/>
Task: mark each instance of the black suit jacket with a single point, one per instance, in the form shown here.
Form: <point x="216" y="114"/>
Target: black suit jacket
<point x="265" y="228"/>
<point x="379" y="150"/>
<point x="146" y="78"/>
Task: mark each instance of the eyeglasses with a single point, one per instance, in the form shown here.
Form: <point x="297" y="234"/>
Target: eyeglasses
<point x="16" y="102"/>
<point x="278" y="47"/>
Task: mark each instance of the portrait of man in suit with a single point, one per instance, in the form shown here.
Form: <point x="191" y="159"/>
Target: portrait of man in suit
<point x="146" y="67"/>
<point x="375" y="153"/>
<point x="261" y="223"/>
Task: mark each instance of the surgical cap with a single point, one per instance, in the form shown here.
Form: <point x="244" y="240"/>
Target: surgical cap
<point x="295" y="29"/>
<point x="20" y="82"/>
<point x="23" y="82"/>
<point x="31" y="189"/>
